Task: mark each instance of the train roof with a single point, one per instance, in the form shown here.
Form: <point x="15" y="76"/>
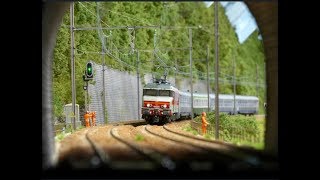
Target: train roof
<point x="224" y="96"/>
<point x="247" y="97"/>
<point x="230" y="96"/>
<point x="200" y="94"/>
<point x="166" y="86"/>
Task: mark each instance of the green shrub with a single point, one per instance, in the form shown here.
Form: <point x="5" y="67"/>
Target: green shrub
<point x="188" y="128"/>
<point x="139" y="137"/>
<point x="233" y="125"/>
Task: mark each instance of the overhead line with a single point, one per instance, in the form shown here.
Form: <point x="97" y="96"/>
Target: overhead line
<point x="91" y="13"/>
<point x="136" y="27"/>
<point x="129" y="17"/>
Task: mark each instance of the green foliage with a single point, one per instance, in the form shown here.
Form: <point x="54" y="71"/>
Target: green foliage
<point x="188" y="128"/>
<point x="139" y="137"/>
<point x="64" y="133"/>
<point x="80" y="127"/>
<point x="248" y="55"/>
<point x="208" y="136"/>
<point x="69" y="128"/>
<point x="60" y="136"/>
<point x="233" y="124"/>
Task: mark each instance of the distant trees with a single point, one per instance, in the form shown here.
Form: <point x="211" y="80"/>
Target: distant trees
<point x="248" y="55"/>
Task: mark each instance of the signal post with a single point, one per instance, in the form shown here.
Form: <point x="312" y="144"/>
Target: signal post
<point x="87" y="76"/>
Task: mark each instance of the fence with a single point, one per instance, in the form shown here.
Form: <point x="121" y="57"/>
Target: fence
<point x="121" y="95"/>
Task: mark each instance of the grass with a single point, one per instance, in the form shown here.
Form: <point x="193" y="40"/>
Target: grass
<point x="262" y="127"/>
<point x="208" y="136"/>
<point x="240" y="142"/>
<point x="256" y="145"/>
<point x="61" y="136"/>
<point x="68" y="130"/>
<point x="188" y="128"/>
<point x="139" y="137"/>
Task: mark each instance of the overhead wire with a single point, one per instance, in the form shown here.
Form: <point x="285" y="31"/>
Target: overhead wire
<point x="132" y="18"/>
<point x="92" y="13"/>
<point x="201" y="74"/>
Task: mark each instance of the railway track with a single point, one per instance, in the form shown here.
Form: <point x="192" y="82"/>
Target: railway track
<point x="78" y="152"/>
<point x="101" y="158"/>
<point x="131" y="122"/>
<point x="116" y="153"/>
<point x="253" y="157"/>
<point x="114" y="148"/>
<point x="214" y="153"/>
<point x="160" y="161"/>
<point x="102" y="148"/>
<point x="250" y="151"/>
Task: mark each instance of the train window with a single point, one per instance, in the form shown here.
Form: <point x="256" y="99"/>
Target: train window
<point x="150" y="92"/>
<point x="172" y="94"/>
<point x="164" y="93"/>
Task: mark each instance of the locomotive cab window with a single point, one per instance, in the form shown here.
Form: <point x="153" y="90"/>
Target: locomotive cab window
<point x="166" y="93"/>
<point x="172" y="94"/>
<point x="150" y="92"/>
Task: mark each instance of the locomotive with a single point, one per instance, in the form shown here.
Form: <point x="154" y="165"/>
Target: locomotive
<point x="163" y="103"/>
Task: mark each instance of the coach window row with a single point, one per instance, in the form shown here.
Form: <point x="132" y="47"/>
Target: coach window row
<point x="200" y="102"/>
<point x="156" y="92"/>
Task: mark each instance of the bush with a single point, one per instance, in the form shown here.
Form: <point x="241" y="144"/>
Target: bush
<point x="139" y="137"/>
<point x="188" y="128"/>
<point x="233" y="125"/>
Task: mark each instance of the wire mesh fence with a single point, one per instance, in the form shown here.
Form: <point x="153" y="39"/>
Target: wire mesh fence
<point x="122" y="96"/>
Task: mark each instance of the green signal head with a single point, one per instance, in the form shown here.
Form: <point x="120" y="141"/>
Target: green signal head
<point x="89" y="69"/>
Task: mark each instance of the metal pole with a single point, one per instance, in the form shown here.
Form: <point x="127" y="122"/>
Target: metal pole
<point x="131" y="32"/>
<point x="73" y="66"/>
<point x="175" y="71"/>
<point x="208" y="83"/>
<point x="103" y="87"/>
<point x="138" y="83"/>
<point x="190" y="44"/>
<point x="257" y="92"/>
<point x="217" y="71"/>
<point x="87" y="96"/>
<point x="234" y="84"/>
<point x="154" y="52"/>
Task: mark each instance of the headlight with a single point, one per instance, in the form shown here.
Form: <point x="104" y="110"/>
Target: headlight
<point x="148" y="105"/>
<point x="165" y="106"/>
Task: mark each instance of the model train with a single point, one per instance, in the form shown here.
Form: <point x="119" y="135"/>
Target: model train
<point x="162" y="102"/>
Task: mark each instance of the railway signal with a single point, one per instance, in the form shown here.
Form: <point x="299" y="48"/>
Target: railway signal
<point x="88" y="72"/>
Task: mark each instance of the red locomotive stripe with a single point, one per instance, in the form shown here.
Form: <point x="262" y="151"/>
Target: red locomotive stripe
<point x="156" y="102"/>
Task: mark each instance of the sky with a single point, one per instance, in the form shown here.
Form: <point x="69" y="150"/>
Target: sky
<point x="240" y="18"/>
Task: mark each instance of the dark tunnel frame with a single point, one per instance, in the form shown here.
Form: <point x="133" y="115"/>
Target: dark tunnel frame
<point x="266" y="15"/>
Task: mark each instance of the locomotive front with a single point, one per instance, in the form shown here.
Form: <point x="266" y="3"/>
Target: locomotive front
<point x="158" y="102"/>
